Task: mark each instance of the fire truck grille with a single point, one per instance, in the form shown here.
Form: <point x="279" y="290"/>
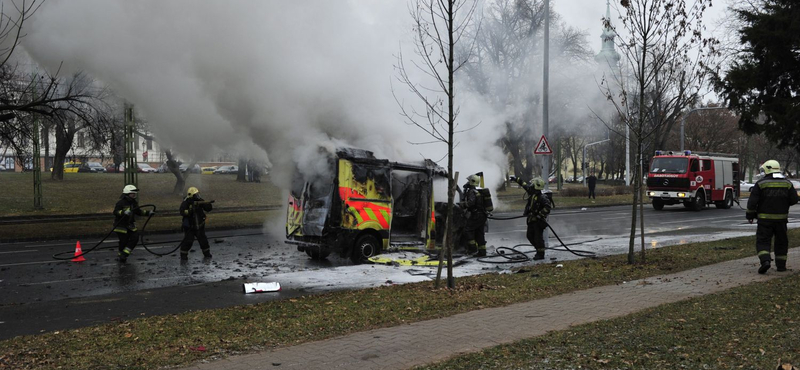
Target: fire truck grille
<point x="667" y="182"/>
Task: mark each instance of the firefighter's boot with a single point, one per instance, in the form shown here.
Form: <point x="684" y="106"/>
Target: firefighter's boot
<point x="780" y="264"/>
<point x="472" y="247"/>
<point x="184" y="256"/>
<point x="481" y="251"/>
<point x="206" y="253"/>
<point x="122" y="257"/>
<point x="764" y="266"/>
<point x="539" y="255"/>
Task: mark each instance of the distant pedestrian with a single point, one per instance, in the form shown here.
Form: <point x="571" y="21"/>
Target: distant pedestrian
<point x="193" y="209"/>
<point x="592" y="182"/>
<point x="537" y="210"/>
<point x="769" y="202"/>
<point x="125" y="212"/>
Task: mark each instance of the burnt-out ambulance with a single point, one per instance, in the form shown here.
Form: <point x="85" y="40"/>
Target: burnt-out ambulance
<point x="362" y="205"/>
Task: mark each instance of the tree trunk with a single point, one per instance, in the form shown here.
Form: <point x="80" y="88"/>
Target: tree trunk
<point x="174" y="168"/>
<point x="241" y="176"/>
<point x="65" y="133"/>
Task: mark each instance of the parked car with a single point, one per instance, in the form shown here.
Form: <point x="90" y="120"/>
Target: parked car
<point x="745" y="186"/>
<point x="796" y="185"/>
<point x="194" y="169"/>
<point x="145" y="168"/>
<point x="111" y="169"/>
<point x="92" y="167"/>
<point x="224" y="170"/>
<point x="208" y="170"/>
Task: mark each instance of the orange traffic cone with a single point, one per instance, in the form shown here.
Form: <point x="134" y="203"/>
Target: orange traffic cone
<point x="78" y="253"/>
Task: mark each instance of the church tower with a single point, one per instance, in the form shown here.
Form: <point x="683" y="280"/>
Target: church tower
<point x="608" y="57"/>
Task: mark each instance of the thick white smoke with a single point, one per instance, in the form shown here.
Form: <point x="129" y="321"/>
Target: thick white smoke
<point x="287" y="76"/>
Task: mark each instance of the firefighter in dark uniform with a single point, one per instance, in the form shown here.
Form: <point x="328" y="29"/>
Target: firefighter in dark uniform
<point x="193" y="209"/>
<point x="769" y="202"/>
<point x="537" y="209"/>
<point x="476" y="217"/>
<point x="125" y="221"/>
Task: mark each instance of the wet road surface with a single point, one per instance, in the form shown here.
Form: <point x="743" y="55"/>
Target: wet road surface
<point x="42" y="294"/>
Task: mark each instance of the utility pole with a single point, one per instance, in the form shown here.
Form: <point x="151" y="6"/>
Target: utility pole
<point x="545" y="90"/>
<point x="131" y="176"/>
<point x="546" y="103"/>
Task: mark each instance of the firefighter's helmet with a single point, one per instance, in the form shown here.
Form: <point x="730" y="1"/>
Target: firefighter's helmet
<point x="474" y="180"/>
<point x="130" y="189"/>
<point x="192" y="191"/>
<point x="771" y="166"/>
<point x="538" y="183"/>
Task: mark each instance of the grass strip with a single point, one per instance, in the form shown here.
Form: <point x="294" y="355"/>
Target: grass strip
<point x="86" y="193"/>
<point x="750" y="327"/>
<point x="174" y="340"/>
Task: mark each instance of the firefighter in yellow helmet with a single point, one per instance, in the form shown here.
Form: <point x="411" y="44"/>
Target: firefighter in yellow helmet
<point x="475" y="213"/>
<point x="125" y="212"/>
<point x="769" y="202"/>
<point x="537" y="209"/>
<point x="193" y="209"/>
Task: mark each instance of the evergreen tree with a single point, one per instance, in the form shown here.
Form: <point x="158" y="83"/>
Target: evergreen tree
<point x="763" y="82"/>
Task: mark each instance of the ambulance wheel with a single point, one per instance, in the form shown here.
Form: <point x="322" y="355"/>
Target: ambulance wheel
<point x="699" y="201"/>
<point x="317" y="255"/>
<point x="366" y="246"/>
<point x="727" y="203"/>
<point x="658" y="204"/>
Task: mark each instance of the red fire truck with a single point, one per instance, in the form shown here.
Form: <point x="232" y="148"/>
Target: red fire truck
<point x="694" y="179"/>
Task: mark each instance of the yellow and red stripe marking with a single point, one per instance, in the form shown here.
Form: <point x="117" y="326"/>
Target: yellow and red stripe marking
<point x="366" y="210"/>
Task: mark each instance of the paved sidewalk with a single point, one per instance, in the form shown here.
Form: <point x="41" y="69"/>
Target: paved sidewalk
<point x="405" y="346"/>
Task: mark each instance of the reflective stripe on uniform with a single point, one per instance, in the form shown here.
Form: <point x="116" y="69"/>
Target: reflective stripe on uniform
<point x="122" y="231"/>
<point x="761" y="253"/>
<point x="780" y="258"/>
<point x="773" y="216"/>
<point x="775" y="184"/>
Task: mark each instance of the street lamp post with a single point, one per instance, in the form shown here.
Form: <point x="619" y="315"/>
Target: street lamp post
<point x="683" y="119"/>
<point x="583" y="165"/>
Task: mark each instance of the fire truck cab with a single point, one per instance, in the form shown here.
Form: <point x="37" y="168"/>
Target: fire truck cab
<point x="360" y="206"/>
<point x="693" y="179"/>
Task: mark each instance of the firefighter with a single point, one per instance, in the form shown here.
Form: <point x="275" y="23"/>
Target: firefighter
<point x="125" y="221"/>
<point x="769" y="202"/>
<point x="537" y="209"/>
<point x="475" y="214"/>
<point x="193" y="209"/>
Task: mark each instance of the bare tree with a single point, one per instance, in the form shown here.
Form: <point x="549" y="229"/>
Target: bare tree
<point x="25" y="93"/>
<point x="664" y="57"/>
<point x="507" y="56"/>
<point x="439" y="26"/>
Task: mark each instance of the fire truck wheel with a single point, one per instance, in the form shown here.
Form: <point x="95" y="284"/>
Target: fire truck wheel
<point x="699" y="201"/>
<point x="658" y="204"/>
<point x="727" y="203"/>
<point x="317" y="255"/>
<point x="366" y="246"/>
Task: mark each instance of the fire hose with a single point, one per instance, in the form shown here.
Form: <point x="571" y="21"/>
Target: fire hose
<point x="63" y="256"/>
<point x="513" y="255"/>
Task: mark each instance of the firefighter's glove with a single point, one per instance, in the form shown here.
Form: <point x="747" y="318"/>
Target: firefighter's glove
<point x="127" y="212"/>
<point x="512" y="178"/>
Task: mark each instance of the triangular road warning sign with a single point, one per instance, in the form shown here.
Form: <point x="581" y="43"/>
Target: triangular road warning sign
<point x="543" y="147"/>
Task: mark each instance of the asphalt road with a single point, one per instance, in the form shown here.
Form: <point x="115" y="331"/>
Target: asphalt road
<point x="42" y="294"/>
